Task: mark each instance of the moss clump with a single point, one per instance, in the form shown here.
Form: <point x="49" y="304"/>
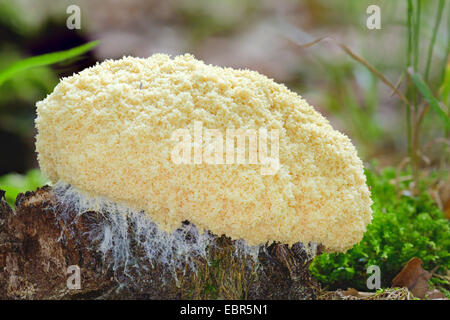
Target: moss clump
<point x="403" y="227"/>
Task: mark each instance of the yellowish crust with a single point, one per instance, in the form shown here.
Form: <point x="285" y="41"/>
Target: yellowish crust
<point x="107" y="131"/>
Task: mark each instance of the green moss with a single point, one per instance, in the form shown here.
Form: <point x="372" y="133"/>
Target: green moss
<point x="403" y="227"/>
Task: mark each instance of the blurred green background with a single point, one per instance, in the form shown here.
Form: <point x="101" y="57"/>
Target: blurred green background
<point x="388" y="89"/>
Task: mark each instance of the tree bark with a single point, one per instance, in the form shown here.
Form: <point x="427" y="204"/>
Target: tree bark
<point x="37" y="246"/>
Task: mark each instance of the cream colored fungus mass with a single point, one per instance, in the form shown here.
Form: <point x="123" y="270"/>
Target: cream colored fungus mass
<point x="107" y="131"/>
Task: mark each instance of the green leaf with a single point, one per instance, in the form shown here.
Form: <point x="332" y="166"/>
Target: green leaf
<point x="14" y="183"/>
<point x="444" y="91"/>
<point x="428" y="95"/>
<point x="44" y="60"/>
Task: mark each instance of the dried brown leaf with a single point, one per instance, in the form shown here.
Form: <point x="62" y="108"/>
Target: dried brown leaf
<point x="414" y="277"/>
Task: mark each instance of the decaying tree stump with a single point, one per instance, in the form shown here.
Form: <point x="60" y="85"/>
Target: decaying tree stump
<point x="41" y="238"/>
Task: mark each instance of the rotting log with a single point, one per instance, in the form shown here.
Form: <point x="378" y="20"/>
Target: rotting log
<point x="37" y="246"/>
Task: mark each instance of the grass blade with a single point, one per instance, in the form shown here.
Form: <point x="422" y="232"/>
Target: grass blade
<point x="417" y="34"/>
<point x="410" y="35"/>
<point x="433" y="37"/>
<point x="428" y="95"/>
<point x="447" y="50"/>
<point x="374" y="70"/>
<point x="359" y="59"/>
<point x="408" y="64"/>
<point x="44" y="60"/>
